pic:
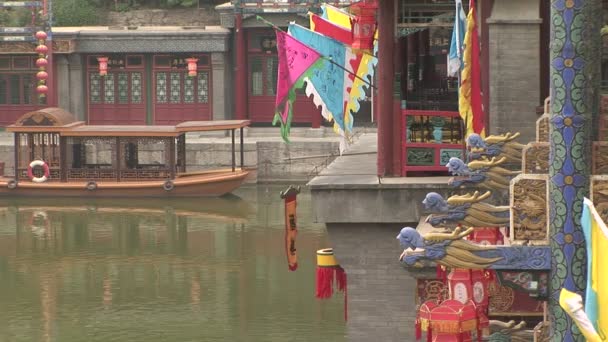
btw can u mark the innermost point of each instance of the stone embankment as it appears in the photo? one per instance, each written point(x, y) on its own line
point(273, 160)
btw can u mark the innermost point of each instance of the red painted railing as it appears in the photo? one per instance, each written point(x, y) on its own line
point(429, 139)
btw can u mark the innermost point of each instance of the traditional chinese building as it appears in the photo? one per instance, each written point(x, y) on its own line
point(147, 80)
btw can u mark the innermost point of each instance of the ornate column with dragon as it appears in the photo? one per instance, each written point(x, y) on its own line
point(575, 76)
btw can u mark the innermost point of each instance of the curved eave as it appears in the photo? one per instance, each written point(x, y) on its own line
point(147, 39)
point(46, 129)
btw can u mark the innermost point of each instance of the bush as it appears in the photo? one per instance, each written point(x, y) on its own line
point(75, 13)
point(15, 17)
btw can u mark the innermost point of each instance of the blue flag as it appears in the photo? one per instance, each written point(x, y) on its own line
point(456, 47)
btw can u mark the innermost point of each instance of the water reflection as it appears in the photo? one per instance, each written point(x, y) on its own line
point(195, 270)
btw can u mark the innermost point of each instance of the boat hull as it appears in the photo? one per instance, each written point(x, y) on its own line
point(209, 184)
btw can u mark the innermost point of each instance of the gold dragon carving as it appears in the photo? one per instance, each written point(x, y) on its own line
point(529, 210)
point(536, 158)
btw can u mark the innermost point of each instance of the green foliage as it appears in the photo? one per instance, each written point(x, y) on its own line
point(76, 13)
point(15, 17)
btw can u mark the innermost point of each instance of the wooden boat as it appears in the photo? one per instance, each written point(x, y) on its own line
point(56, 155)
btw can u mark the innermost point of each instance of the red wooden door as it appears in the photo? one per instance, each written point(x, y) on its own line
point(119, 97)
point(179, 97)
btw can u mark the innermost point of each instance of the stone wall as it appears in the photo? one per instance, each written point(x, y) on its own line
point(514, 30)
point(204, 16)
point(381, 300)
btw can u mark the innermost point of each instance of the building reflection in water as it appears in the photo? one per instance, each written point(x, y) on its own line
point(134, 269)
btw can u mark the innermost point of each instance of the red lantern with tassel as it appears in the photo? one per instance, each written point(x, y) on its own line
point(192, 67)
point(364, 25)
point(328, 272)
point(103, 65)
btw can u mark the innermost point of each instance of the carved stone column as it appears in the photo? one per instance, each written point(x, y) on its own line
point(575, 61)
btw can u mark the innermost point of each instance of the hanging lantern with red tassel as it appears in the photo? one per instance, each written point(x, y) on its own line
point(291, 227)
point(192, 67)
point(328, 272)
point(364, 25)
point(103, 65)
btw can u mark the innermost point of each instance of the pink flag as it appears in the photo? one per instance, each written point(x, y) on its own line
point(295, 59)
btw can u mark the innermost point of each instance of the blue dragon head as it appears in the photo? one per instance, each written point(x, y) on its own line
point(475, 141)
point(409, 238)
point(434, 202)
point(457, 167)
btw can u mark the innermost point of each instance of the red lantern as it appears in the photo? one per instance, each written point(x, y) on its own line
point(40, 35)
point(487, 236)
point(103, 65)
point(192, 68)
point(449, 320)
point(42, 75)
point(42, 49)
point(41, 62)
point(42, 89)
point(364, 25)
point(468, 285)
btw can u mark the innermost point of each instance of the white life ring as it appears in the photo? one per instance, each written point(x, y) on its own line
point(45, 167)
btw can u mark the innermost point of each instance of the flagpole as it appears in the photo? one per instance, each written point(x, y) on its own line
point(329, 59)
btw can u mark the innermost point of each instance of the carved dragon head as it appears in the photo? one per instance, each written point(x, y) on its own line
point(475, 142)
point(457, 167)
point(409, 238)
point(435, 203)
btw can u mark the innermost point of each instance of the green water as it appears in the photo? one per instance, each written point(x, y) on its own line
point(150, 270)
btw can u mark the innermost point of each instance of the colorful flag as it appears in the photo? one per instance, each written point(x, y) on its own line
point(335, 31)
point(336, 16)
point(596, 296)
point(295, 59)
point(470, 103)
point(336, 23)
point(328, 82)
point(455, 55)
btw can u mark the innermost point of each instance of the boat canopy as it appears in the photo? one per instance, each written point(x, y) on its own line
point(57, 120)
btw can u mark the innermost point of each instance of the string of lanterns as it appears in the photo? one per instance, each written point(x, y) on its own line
point(41, 63)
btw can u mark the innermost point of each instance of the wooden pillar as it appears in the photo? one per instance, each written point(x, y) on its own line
point(17, 146)
point(240, 79)
point(575, 63)
point(172, 156)
point(63, 158)
point(118, 158)
point(386, 34)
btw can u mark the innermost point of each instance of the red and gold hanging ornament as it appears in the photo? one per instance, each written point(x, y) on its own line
point(472, 285)
point(363, 25)
point(487, 236)
point(103, 65)
point(291, 227)
point(41, 63)
point(449, 320)
point(192, 67)
point(328, 272)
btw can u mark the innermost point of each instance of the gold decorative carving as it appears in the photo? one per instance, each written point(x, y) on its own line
point(599, 195)
point(529, 209)
point(542, 128)
point(536, 158)
point(17, 47)
point(541, 332)
point(63, 46)
point(600, 158)
point(501, 298)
